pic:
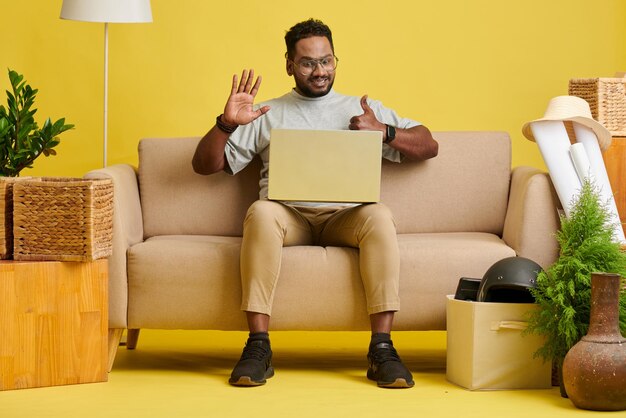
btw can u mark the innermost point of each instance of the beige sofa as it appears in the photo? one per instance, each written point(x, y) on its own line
point(175, 262)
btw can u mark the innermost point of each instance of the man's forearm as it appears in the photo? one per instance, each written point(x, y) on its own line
point(209, 157)
point(415, 143)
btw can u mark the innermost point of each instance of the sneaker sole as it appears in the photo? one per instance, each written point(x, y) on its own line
point(247, 380)
point(397, 384)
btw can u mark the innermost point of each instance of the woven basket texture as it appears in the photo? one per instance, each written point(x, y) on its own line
point(62, 219)
point(6, 215)
point(606, 98)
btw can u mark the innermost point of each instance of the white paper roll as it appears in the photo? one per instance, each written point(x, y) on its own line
point(586, 137)
point(581, 161)
point(554, 144)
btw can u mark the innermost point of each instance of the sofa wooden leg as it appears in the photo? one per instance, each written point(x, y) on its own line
point(115, 336)
point(132, 336)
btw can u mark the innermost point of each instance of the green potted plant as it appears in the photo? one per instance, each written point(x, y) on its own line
point(563, 291)
point(21, 139)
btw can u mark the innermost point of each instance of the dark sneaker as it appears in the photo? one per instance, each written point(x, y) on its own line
point(254, 366)
point(386, 368)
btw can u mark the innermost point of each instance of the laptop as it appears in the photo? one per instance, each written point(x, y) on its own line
point(325, 165)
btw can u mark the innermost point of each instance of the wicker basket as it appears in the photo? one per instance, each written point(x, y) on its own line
point(62, 219)
point(6, 215)
point(607, 100)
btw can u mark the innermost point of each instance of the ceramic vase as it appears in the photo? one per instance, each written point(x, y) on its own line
point(594, 370)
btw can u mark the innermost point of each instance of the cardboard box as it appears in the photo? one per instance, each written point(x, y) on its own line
point(486, 348)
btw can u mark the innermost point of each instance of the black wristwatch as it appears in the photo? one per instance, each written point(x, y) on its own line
point(391, 134)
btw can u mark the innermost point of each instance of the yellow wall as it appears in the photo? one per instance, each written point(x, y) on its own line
point(451, 64)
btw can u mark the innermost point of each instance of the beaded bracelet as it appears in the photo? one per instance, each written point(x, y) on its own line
point(229, 129)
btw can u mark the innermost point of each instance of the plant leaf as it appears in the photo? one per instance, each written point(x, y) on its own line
point(21, 139)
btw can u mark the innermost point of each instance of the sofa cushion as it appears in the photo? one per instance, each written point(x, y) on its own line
point(176, 200)
point(193, 282)
point(463, 189)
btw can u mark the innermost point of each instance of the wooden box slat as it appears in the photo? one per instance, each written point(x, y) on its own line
point(53, 323)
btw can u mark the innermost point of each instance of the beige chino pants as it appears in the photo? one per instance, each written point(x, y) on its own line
point(269, 226)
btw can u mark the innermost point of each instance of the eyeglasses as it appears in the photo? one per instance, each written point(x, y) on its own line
point(307, 66)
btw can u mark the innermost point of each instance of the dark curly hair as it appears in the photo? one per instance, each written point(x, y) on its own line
point(306, 29)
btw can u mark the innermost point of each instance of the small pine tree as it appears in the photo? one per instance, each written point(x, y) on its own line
point(563, 291)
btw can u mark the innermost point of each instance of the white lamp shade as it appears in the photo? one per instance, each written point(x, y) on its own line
point(111, 11)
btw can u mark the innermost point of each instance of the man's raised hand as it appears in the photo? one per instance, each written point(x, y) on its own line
point(367, 121)
point(239, 107)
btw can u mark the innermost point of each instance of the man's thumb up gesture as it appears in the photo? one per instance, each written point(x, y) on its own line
point(367, 121)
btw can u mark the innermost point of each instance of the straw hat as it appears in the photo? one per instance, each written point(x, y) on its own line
point(575, 109)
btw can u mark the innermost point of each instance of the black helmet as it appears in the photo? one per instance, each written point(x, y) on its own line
point(509, 280)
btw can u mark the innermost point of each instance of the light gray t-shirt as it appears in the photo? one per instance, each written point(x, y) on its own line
point(294, 111)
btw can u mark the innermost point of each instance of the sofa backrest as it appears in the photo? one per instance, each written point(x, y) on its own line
point(464, 189)
point(177, 201)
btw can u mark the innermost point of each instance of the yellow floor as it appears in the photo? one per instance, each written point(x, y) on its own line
point(318, 374)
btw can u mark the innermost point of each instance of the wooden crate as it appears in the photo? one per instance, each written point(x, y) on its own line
point(53, 323)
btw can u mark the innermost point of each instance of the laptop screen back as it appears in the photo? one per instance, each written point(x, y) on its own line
point(325, 165)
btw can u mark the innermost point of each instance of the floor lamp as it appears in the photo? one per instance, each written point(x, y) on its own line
point(107, 11)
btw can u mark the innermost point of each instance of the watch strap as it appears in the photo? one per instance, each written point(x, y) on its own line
point(390, 133)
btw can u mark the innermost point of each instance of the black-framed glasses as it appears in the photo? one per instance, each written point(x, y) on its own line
point(306, 66)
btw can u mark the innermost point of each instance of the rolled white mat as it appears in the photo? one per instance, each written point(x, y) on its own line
point(587, 137)
point(581, 161)
point(554, 145)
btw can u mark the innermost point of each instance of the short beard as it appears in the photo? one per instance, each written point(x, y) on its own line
point(306, 92)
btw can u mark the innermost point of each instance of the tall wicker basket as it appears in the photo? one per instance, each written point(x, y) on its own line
point(607, 100)
point(62, 219)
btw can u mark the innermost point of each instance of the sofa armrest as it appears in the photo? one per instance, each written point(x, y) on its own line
point(127, 231)
point(532, 217)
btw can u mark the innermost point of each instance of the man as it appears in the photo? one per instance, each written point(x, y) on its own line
point(242, 132)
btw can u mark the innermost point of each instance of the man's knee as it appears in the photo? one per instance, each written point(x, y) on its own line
point(263, 210)
point(378, 213)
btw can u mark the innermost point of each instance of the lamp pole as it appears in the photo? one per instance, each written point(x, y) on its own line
point(107, 11)
point(106, 91)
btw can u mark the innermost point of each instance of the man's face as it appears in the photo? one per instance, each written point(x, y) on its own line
point(320, 81)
